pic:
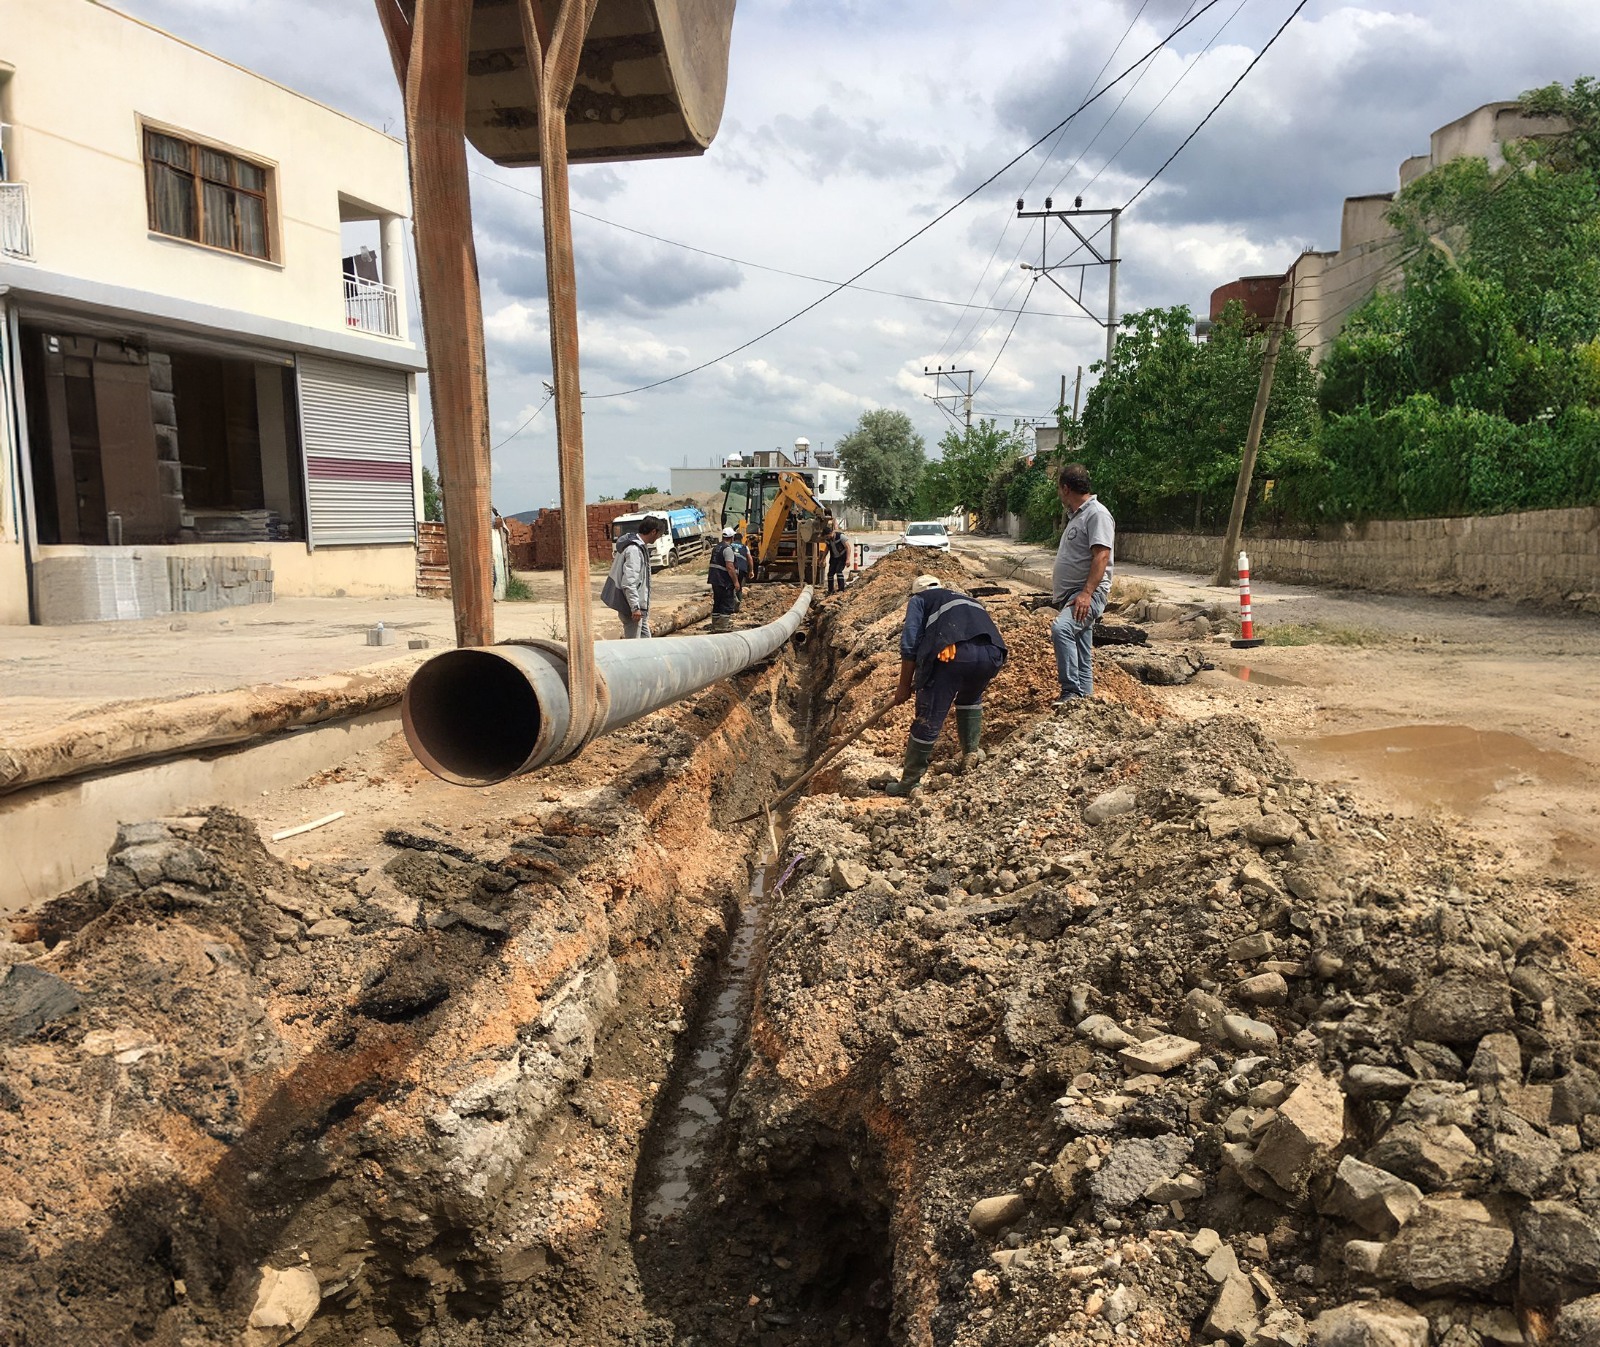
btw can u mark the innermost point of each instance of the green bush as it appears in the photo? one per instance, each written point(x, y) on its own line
point(1424, 459)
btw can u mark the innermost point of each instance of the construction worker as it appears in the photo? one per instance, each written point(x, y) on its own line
point(1080, 581)
point(741, 563)
point(838, 557)
point(724, 577)
point(950, 650)
point(627, 587)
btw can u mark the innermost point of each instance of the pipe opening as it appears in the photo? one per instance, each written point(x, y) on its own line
point(471, 717)
point(799, 637)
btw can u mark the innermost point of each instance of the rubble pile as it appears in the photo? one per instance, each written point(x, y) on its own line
point(1138, 1036)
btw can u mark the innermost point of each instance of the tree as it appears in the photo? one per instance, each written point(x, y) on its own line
point(1163, 430)
point(969, 460)
point(883, 458)
point(1476, 387)
point(432, 497)
point(636, 492)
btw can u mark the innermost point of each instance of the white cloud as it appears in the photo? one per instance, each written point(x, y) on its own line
point(864, 118)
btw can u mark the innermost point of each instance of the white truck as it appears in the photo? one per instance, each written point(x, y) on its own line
point(685, 536)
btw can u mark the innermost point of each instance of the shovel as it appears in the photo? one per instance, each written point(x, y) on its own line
point(821, 762)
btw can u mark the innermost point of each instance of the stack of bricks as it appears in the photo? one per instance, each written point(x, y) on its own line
point(520, 533)
point(433, 561)
point(546, 542)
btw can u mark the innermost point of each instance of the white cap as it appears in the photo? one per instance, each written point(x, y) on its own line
point(727, 533)
point(923, 582)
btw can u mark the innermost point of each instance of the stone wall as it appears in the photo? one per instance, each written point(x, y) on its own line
point(1546, 556)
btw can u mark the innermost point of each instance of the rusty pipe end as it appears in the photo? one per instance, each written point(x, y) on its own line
point(473, 717)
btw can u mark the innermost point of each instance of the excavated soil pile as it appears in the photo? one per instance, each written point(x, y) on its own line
point(860, 632)
point(1134, 1035)
point(390, 1100)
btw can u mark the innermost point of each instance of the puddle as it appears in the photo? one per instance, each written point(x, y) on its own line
point(1455, 766)
point(1573, 851)
point(709, 1061)
point(1245, 674)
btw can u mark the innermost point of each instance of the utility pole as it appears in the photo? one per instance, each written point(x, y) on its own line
point(1108, 259)
point(1077, 390)
point(1252, 441)
point(956, 395)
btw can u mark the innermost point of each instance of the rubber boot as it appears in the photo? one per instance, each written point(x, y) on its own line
point(721, 621)
point(969, 729)
point(918, 756)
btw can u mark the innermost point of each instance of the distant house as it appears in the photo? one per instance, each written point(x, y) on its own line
point(204, 397)
point(1329, 286)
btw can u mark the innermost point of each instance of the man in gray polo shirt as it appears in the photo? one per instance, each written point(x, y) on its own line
point(1081, 581)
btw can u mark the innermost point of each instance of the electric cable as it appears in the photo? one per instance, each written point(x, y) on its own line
point(916, 234)
point(746, 262)
point(531, 419)
point(1255, 60)
point(1007, 341)
point(1006, 228)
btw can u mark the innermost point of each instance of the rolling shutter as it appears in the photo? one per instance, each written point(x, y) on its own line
point(355, 428)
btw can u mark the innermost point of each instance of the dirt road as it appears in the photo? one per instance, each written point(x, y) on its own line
point(1483, 710)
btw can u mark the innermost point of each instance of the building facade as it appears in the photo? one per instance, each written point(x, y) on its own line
point(203, 399)
point(1328, 286)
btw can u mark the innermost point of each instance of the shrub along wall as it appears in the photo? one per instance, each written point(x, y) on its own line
point(1545, 556)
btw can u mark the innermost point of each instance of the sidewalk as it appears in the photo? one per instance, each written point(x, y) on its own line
point(51, 675)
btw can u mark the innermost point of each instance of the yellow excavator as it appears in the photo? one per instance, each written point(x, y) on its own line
point(780, 521)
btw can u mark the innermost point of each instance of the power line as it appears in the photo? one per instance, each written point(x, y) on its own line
point(1254, 61)
point(918, 233)
point(1073, 167)
point(1007, 341)
point(1006, 228)
point(1156, 107)
point(513, 435)
point(755, 266)
point(1293, 14)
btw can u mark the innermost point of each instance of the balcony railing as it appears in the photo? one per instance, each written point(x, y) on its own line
point(16, 238)
point(371, 307)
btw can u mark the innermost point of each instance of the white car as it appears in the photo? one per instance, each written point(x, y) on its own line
point(926, 533)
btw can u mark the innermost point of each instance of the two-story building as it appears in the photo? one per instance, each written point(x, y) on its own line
point(206, 397)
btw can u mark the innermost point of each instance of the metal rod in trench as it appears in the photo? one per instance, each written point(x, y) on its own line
point(821, 762)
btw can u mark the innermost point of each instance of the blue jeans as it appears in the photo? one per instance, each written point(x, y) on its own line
point(1074, 643)
point(961, 681)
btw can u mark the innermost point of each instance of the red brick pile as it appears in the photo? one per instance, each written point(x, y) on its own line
point(520, 533)
point(546, 531)
point(433, 562)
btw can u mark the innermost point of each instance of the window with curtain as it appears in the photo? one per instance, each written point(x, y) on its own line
point(206, 195)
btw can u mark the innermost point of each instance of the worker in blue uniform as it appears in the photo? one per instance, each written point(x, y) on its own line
point(950, 650)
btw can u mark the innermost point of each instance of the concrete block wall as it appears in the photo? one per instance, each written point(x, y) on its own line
point(1541, 556)
point(110, 584)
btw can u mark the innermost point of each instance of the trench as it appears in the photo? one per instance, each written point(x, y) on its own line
point(740, 1236)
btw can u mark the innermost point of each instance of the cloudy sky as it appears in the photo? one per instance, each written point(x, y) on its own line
point(851, 123)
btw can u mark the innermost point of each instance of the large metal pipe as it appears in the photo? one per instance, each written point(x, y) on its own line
point(481, 715)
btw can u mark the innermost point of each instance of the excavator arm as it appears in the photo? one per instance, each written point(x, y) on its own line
point(793, 494)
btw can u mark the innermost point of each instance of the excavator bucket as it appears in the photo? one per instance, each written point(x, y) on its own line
point(651, 81)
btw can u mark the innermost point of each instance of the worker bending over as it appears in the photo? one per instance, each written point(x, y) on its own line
point(724, 577)
point(950, 649)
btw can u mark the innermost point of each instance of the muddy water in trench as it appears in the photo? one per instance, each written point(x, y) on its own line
point(708, 1061)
